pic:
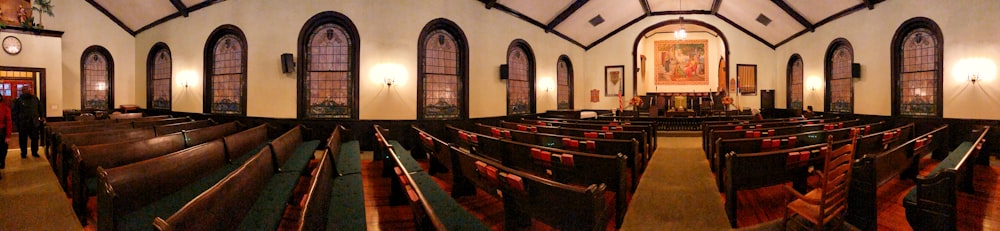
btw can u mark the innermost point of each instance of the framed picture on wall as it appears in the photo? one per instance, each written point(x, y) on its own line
point(614, 80)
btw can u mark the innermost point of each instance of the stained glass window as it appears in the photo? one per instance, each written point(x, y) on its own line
point(919, 73)
point(227, 78)
point(795, 87)
point(160, 78)
point(841, 90)
point(520, 77)
point(96, 79)
point(442, 83)
point(328, 73)
point(564, 88)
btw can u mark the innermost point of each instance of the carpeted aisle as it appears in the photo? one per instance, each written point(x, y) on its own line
point(677, 191)
point(30, 197)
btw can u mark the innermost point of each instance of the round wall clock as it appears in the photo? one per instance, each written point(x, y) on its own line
point(11, 45)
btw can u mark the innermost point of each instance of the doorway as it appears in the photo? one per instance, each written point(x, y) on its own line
point(13, 78)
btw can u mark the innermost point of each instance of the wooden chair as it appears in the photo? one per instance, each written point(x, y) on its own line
point(828, 202)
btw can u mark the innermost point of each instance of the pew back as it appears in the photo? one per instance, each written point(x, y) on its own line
point(178, 127)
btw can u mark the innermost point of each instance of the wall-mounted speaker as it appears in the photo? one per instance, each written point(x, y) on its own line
point(503, 71)
point(856, 70)
point(287, 63)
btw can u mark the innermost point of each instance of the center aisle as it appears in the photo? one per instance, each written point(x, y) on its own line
point(677, 191)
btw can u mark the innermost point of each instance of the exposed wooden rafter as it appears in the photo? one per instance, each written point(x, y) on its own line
point(751, 34)
point(682, 12)
point(489, 3)
point(870, 4)
point(181, 8)
point(521, 16)
point(715, 6)
point(598, 41)
point(565, 14)
point(795, 14)
point(112, 17)
point(825, 21)
point(645, 7)
point(193, 8)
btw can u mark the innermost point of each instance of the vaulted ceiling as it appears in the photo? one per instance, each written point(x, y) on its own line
point(583, 22)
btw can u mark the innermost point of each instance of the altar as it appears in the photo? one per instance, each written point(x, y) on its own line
point(682, 104)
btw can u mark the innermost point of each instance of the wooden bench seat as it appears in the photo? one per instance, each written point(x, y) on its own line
point(602, 145)
point(640, 136)
point(650, 129)
point(709, 126)
point(336, 196)
point(134, 194)
point(930, 205)
point(178, 127)
point(746, 132)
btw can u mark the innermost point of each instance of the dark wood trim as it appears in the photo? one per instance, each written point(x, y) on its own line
point(681, 12)
point(322, 18)
point(897, 62)
point(635, 44)
point(208, 59)
point(751, 34)
point(112, 17)
point(463, 64)
point(645, 7)
point(176, 15)
point(870, 4)
point(32, 31)
point(715, 6)
point(489, 3)
point(111, 75)
point(181, 8)
point(789, 39)
point(626, 25)
point(41, 84)
point(521, 16)
point(788, 81)
point(150, 62)
point(795, 14)
point(569, 74)
point(565, 14)
point(520, 43)
point(567, 38)
point(828, 73)
point(840, 14)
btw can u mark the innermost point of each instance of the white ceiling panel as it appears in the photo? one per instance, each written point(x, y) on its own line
point(541, 11)
point(817, 10)
point(190, 3)
point(136, 14)
point(615, 13)
point(683, 5)
point(745, 12)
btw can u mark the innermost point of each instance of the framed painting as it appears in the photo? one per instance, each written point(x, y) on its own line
point(681, 62)
point(614, 80)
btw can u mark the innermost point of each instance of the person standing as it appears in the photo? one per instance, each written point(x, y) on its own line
point(6, 126)
point(809, 113)
point(27, 112)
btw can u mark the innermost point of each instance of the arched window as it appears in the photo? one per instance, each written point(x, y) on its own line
point(795, 83)
point(158, 75)
point(329, 48)
point(917, 57)
point(443, 71)
point(839, 86)
point(564, 80)
point(226, 71)
point(521, 78)
point(97, 72)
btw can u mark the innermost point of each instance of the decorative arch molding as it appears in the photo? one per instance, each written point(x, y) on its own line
point(789, 83)
point(635, 45)
point(100, 50)
point(828, 74)
point(532, 64)
point(151, 72)
point(897, 62)
point(208, 59)
point(313, 23)
point(462, 44)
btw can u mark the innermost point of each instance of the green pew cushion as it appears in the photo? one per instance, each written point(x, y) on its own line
point(949, 162)
point(404, 156)
point(142, 219)
point(300, 158)
point(448, 210)
point(267, 210)
point(350, 158)
point(347, 204)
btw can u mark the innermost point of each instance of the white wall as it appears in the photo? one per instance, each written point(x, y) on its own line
point(389, 31)
point(617, 50)
point(969, 46)
point(37, 52)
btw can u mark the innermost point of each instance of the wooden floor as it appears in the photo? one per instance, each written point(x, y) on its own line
point(976, 211)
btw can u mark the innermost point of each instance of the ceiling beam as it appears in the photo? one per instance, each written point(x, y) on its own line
point(838, 15)
point(798, 17)
point(180, 7)
point(565, 14)
point(191, 9)
point(681, 12)
point(751, 34)
point(598, 41)
point(112, 17)
point(870, 4)
point(645, 7)
point(489, 3)
point(521, 16)
point(715, 6)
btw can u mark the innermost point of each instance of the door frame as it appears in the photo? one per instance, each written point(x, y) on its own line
point(39, 84)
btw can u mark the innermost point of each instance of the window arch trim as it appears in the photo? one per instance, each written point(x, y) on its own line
point(209, 52)
point(150, 72)
point(520, 43)
point(314, 22)
point(463, 63)
point(897, 44)
point(828, 73)
point(111, 74)
point(569, 79)
point(790, 74)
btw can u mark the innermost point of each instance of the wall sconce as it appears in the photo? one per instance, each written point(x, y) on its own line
point(973, 77)
point(389, 80)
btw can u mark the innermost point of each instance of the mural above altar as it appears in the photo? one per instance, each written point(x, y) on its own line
point(681, 62)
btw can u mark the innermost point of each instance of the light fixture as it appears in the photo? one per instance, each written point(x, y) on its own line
point(973, 77)
point(680, 34)
point(389, 80)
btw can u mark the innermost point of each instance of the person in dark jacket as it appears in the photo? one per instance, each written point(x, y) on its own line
point(28, 118)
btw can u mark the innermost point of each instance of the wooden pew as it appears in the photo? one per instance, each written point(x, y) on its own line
point(562, 206)
point(931, 204)
point(253, 197)
point(879, 159)
point(639, 136)
point(134, 194)
point(630, 148)
point(178, 127)
point(437, 151)
point(649, 128)
point(563, 166)
point(708, 127)
point(716, 135)
point(336, 196)
point(125, 115)
point(431, 205)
